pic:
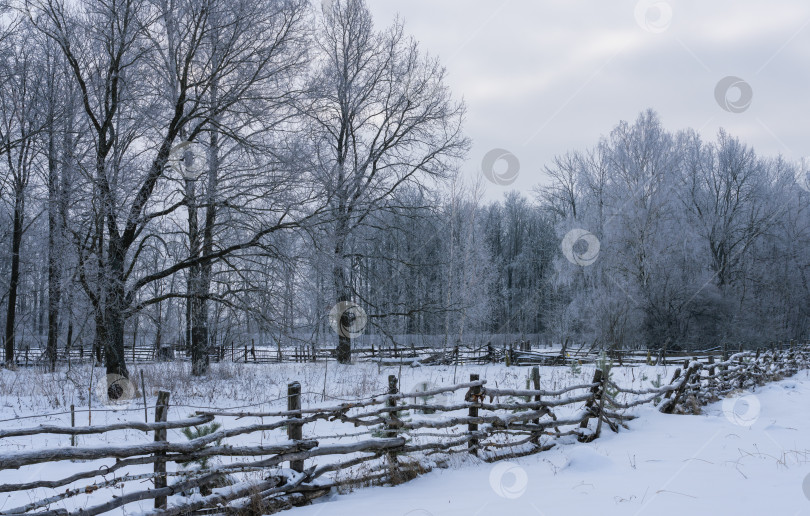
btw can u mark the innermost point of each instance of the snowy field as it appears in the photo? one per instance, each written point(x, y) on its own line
point(749, 457)
point(745, 457)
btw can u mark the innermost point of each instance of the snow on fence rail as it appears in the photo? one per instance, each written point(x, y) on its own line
point(401, 436)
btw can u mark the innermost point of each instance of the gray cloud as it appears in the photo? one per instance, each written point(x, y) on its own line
point(544, 77)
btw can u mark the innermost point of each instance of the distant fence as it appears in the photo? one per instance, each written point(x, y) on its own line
point(523, 352)
point(401, 436)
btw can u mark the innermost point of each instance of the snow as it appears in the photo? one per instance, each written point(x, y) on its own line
point(713, 463)
point(748, 455)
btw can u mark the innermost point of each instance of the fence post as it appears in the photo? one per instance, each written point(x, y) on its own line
point(294, 430)
point(72, 424)
point(473, 412)
point(597, 379)
point(392, 403)
point(602, 392)
point(143, 393)
point(667, 409)
point(161, 411)
point(535, 377)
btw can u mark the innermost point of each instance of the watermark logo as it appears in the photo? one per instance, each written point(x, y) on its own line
point(500, 177)
point(188, 159)
point(348, 319)
point(653, 15)
point(114, 390)
point(806, 486)
point(580, 247)
point(418, 512)
point(508, 480)
point(742, 410)
point(725, 97)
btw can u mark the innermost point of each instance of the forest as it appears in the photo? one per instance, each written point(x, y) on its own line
point(198, 173)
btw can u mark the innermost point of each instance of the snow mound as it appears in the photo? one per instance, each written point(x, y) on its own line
point(586, 459)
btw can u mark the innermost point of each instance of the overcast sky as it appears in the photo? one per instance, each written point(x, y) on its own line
point(542, 77)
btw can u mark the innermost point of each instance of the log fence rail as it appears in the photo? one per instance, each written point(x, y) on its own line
point(384, 439)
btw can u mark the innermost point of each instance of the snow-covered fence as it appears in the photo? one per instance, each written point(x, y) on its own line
point(525, 351)
point(384, 439)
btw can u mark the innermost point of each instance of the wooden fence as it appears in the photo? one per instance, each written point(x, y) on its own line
point(401, 435)
point(519, 352)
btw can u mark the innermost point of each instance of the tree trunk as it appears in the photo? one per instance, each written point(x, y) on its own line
point(14, 280)
point(344, 347)
point(195, 305)
point(201, 274)
point(54, 239)
point(114, 310)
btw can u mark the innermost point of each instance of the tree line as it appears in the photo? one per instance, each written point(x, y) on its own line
point(191, 171)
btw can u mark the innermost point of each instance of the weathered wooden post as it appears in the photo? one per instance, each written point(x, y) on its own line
point(161, 411)
point(143, 393)
point(392, 404)
point(601, 409)
point(295, 430)
point(72, 424)
point(597, 379)
point(535, 377)
point(675, 376)
point(475, 393)
point(669, 407)
point(392, 426)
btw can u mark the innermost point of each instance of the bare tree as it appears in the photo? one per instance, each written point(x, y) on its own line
point(137, 62)
point(21, 121)
point(382, 118)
